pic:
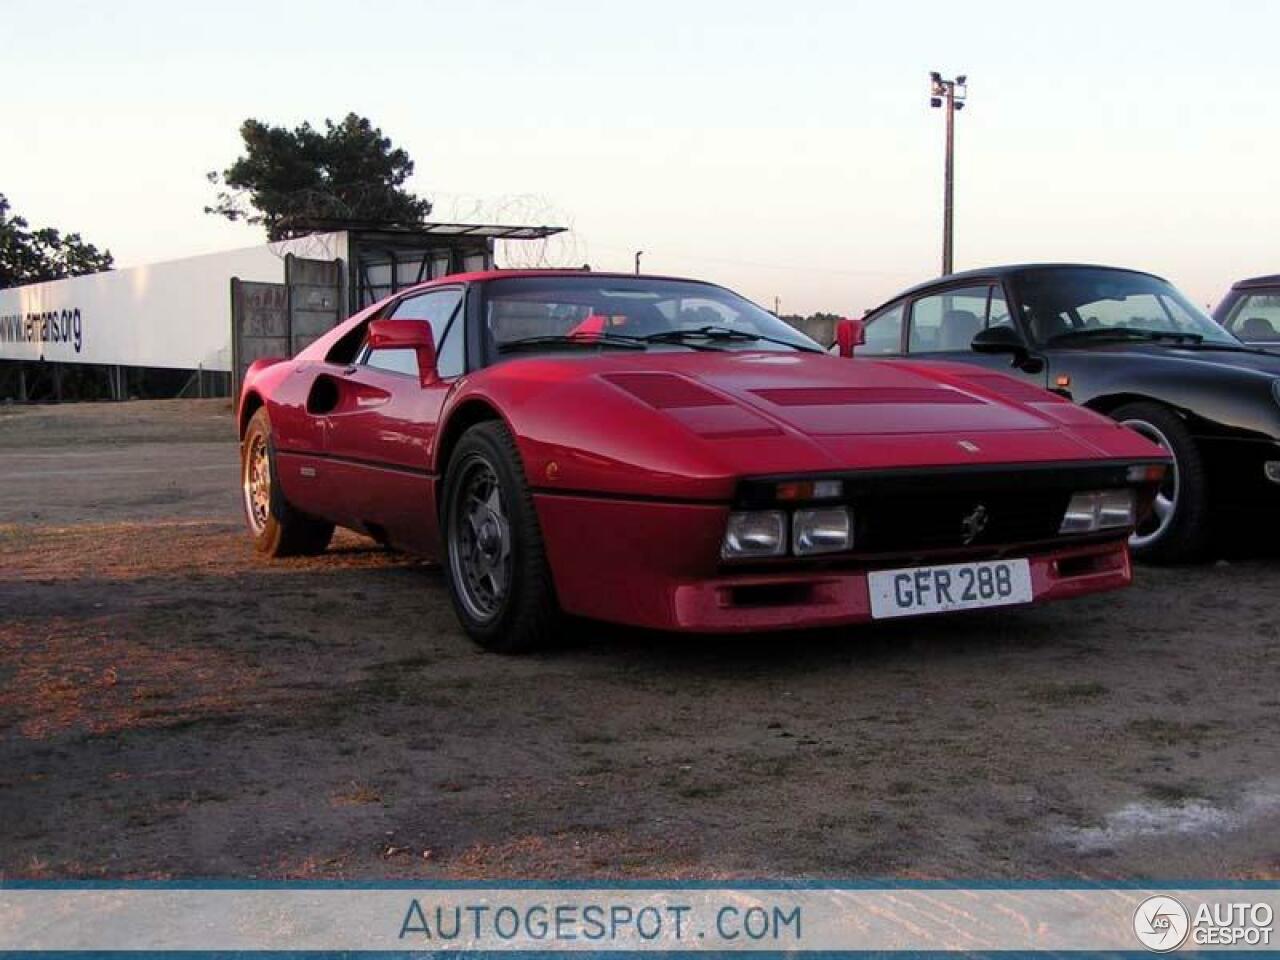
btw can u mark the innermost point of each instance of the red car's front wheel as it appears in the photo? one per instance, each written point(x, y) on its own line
point(496, 565)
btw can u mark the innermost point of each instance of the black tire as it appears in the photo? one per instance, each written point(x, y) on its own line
point(524, 614)
point(1187, 535)
point(283, 531)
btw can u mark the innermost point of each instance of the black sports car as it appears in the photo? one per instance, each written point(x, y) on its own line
point(1127, 344)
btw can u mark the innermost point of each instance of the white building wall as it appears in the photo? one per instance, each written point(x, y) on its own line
point(171, 314)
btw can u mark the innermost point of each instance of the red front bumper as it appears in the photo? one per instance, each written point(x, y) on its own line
point(647, 564)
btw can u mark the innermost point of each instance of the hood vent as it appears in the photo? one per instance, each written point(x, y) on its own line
point(694, 407)
point(846, 396)
point(666, 391)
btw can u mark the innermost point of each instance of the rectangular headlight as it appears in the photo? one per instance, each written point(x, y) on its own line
point(824, 530)
point(1099, 510)
point(755, 533)
point(1116, 509)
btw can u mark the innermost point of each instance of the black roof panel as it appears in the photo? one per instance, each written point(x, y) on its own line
point(1002, 271)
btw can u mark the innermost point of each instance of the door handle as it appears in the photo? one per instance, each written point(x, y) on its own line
point(347, 371)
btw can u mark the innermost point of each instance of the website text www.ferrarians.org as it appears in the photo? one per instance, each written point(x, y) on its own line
point(569, 922)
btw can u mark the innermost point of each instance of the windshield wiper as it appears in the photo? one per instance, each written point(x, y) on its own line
point(720, 334)
point(613, 340)
point(1126, 333)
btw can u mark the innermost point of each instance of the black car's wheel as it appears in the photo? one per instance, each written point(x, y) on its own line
point(496, 565)
point(278, 529)
point(1177, 531)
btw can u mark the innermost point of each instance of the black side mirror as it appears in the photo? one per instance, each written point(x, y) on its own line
point(1001, 339)
point(1004, 339)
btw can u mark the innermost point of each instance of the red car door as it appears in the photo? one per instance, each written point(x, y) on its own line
point(380, 430)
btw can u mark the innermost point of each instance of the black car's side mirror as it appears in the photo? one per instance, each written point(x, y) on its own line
point(1004, 339)
point(1001, 339)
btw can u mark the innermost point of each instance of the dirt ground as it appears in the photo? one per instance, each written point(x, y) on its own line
point(173, 706)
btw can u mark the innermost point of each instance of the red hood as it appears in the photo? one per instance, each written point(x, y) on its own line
point(828, 397)
point(647, 422)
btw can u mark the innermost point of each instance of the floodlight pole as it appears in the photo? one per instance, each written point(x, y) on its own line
point(949, 190)
point(951, 95)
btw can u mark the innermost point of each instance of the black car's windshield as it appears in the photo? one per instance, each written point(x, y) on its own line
point(1081, 305)
point(572, 312)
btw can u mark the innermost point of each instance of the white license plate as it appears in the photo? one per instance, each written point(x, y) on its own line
point(955, 586)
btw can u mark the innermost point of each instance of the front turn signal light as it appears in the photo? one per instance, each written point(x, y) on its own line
point(1146, 473)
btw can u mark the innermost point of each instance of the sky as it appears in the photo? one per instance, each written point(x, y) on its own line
point(784, 149)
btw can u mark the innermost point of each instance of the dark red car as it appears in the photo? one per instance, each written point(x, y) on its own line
point(664, 453)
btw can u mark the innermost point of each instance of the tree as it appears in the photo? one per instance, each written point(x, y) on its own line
point(30, 256)
point(291, 181)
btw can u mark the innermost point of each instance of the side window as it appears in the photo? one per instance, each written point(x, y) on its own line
point(1256, 318)
point(883, 333)
point(439, 308)
point(396, 361)
point(947, 322)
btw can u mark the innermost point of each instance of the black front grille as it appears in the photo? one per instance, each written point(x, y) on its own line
point(937, 508)
point(889, 523)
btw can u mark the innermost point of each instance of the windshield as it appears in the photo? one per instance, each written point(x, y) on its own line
point(550, 314)
point(1085, 304)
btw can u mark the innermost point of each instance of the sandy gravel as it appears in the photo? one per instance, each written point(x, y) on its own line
point(170, 705)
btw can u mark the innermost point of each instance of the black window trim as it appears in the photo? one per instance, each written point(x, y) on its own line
point(992, 282)
point(941, 290)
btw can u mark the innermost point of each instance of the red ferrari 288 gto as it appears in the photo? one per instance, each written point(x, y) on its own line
point(664, 453)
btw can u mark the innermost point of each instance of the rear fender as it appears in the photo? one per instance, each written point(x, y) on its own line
point(253, 390)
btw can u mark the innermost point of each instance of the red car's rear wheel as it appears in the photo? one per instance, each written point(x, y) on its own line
point(278, 529)
point(496, 564)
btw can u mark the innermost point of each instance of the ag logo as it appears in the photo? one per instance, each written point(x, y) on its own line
point(1161, 923)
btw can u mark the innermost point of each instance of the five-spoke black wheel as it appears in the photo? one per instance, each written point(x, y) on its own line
point(495, 564)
